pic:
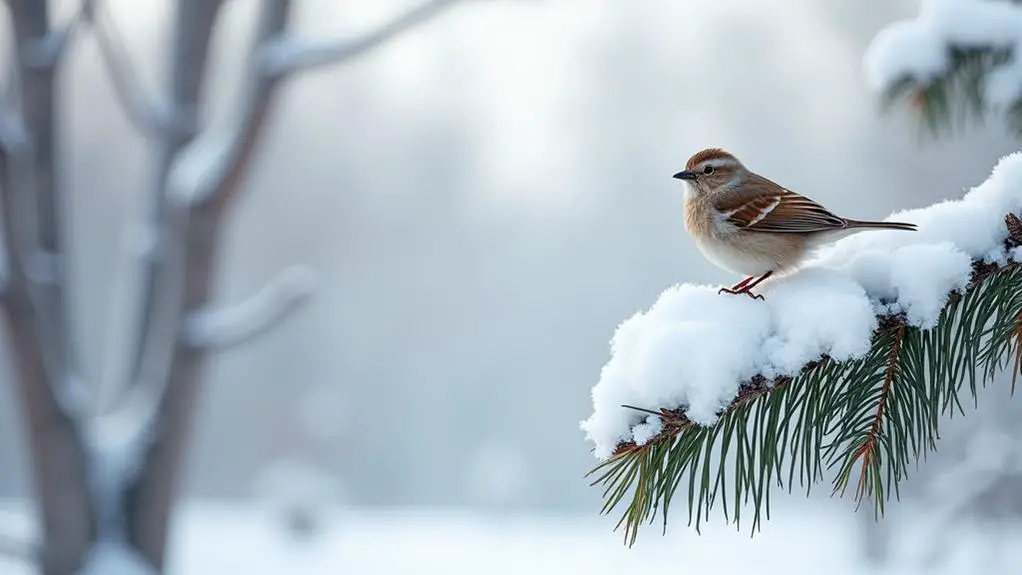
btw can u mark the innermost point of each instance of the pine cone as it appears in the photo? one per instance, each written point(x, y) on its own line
point(1014, 226)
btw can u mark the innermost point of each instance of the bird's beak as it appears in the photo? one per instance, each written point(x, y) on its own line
point(685, 175)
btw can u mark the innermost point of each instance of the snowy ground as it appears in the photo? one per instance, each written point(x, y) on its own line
point(218, 539)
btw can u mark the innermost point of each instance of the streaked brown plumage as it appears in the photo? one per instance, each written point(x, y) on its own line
point(750, 225)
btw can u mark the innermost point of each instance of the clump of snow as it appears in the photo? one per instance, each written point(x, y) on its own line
point(693, 348)
point(920, 48)
point(892, 278)
point(647, 430)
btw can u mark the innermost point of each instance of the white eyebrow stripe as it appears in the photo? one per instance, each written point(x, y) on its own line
point(720, 162)
point(766, 211)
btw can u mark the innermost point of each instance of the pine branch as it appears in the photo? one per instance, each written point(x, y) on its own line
point(951, 101)
point(877, 414)
point(936, 65)
point(867, 454)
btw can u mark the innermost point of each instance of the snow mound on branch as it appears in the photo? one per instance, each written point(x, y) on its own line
point(693, 348)
point(919, 48)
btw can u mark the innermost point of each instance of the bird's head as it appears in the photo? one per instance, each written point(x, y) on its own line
point(711, 170)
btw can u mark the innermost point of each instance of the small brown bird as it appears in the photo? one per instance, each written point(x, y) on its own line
point(749, 225)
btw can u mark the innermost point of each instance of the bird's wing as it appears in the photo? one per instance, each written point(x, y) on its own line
point(774, 209)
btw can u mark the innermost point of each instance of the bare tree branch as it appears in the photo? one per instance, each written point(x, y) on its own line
point(45, 51)
point(286, 54)
point(106, 481)
point(203, 181)
point(211, 171)
point(27, 267)
point(193, 28)
point(60, 37)
point(225, 328)
point(150, 115)
point(37, 50)
point(19, 214)
point(34, 312)
point(208, 172)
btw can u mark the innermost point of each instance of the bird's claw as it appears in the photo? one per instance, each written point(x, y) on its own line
point(740, 291)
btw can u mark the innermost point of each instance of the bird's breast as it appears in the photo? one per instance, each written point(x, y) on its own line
point(736, 250)
point(730, 255)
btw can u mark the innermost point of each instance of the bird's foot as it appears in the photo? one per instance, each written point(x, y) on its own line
point(743, 290)
point(745, 286)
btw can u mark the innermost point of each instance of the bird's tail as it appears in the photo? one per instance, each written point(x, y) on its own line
point(881, 225)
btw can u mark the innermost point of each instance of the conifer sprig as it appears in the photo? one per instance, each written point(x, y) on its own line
point(952, 100)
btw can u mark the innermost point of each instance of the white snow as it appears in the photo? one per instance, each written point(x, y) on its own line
point(919, 48)
point(647, 430)
point(116, 445)
point(693, 348)
point(115, 559)
point(117, 459)
point(228, 538)
point(301, 495)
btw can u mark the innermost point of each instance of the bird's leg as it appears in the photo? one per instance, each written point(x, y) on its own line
point(747, 287)
point(737, 286)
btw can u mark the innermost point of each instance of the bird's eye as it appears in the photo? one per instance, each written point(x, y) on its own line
point(708, 170)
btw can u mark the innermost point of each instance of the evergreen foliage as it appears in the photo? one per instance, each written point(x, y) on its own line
point(956, 97)
point(952, 100)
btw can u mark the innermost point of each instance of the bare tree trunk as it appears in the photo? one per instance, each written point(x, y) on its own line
point(33, 299)
point(106, 476)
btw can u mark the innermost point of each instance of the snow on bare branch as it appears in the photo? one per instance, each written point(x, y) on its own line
point(287, 54)
point(228, 327)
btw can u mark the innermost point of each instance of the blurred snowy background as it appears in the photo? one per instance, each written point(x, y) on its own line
point(486, 198)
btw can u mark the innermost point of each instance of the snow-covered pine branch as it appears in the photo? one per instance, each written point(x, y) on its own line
point(849, 362)
point(954, 57)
